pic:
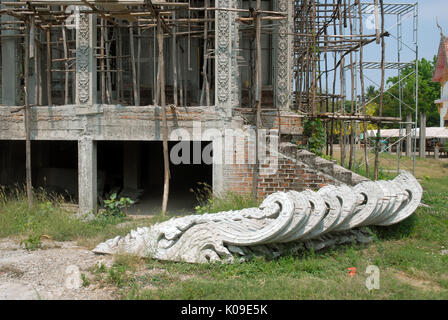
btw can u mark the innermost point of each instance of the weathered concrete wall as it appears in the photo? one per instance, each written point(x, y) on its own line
point(104, 122)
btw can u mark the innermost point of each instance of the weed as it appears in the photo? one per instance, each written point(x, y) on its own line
point(32, 243)
point(85, 280)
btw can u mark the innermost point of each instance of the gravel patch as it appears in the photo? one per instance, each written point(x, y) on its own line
point(46, 273)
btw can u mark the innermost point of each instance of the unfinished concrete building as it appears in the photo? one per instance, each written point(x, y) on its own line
point(89, 87)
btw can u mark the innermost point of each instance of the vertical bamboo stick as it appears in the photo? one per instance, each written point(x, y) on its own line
point(361, 75)
point(134, 72)
point(66, 73)
point(103, 74)
point(161, 80)
point(383, 57)
point(205, 86)
point(139, 54)
point(29, 187)
point(174, 44)
point(352, 80)
point(107, 71)
point(49, 97)
point(258, 97)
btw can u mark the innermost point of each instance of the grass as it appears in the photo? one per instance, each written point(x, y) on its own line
point(407, 254)
point(48, 218)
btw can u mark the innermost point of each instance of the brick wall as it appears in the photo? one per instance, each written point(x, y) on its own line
point(290, 174)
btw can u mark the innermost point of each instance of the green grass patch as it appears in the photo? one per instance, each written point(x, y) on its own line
point(47, 217)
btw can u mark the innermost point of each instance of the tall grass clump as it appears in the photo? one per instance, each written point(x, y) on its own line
point(208, 202)
point(47, 217)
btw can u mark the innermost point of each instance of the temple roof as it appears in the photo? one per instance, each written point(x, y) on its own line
point(442, 60)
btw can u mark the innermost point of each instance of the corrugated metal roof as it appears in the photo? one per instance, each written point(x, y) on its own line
point(431, 132)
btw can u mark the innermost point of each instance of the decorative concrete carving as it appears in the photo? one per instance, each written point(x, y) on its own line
point(226, 42)
point(284, 55)
point(85, 61)
point(284, 221)
point(82, 60)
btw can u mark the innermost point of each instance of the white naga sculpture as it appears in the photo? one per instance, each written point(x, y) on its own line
point(284, 222)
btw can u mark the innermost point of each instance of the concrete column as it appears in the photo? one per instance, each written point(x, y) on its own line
point(218, 167)
point(422, 135)
point(86, 90)
point(408, 135)
point(131, 165)
point(283, 56)
point(10, 64)
point(87, 176)
point(226, 67)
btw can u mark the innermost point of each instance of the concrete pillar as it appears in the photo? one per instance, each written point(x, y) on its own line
point(10, 64)
point(218, 167)
point(422, 135)
point(408, 135)
point(226, 68)
point(86, 90)
point(284, 56)
point(87, 176)
point(131, 165)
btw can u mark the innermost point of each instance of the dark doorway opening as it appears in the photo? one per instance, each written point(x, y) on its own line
point(135, 169)
point(54, 166)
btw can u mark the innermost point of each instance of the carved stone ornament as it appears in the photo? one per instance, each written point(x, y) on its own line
point(284, 221)
point(82, 60)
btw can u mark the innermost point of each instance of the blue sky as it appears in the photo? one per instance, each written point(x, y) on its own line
point(428, 38)
point(429, 35)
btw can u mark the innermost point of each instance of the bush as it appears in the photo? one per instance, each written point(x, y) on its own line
point(314, 132)
point(114, 207)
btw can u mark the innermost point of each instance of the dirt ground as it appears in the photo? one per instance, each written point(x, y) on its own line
point(44, 273)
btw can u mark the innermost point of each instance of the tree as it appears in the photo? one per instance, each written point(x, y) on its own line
point(428, 92)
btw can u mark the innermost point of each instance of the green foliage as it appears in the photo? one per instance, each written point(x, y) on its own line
point(32, 243)
point(48, 217)
point(428, 92)
point(444, 147)
point(85, 280)
point(314, 132)
point(116, 208)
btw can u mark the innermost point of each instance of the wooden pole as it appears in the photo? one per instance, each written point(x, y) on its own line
point(161, 81)
point(383, 57)
point(36, 64)
point(29, 186)
point(258, 97)
point(119, 66)
point(363, 106)
point(139, 56)
point(103, 74)
point(107, 71)
point(66, 74)
point(134, 72)
point(205, 86)
point(49, 98)
point(175, 97)
point(353, 97)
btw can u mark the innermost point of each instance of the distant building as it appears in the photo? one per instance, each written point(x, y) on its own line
point(441, 75)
